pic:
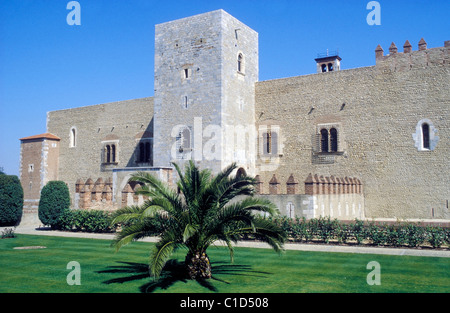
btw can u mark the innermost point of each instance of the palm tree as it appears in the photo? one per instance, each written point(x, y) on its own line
point(202, 211)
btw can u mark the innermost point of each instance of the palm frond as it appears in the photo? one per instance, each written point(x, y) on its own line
point(137, 230)
point(125, 214)
point(162, 252)
point(189, 231)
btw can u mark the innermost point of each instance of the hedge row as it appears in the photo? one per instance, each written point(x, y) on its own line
point(96, 221)
point(91, 221)
point(401, 234)
point(324, 230)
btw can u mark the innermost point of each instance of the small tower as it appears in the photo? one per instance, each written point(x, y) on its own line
point(39, 157)
point(328, 62)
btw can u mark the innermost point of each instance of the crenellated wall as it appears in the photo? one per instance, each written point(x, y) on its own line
point(336, 197)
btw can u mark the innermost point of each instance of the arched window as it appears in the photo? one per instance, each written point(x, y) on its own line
point(324, 140)
point(324, 68)
point(73, 137)
point(268, 143)
point(330, 67)
point(186, 138)
point(108, 154)
point(183, 143)
point(241, 172)
point(113, 153)
point(240, 63)
point(426, 136)
point(333, 140)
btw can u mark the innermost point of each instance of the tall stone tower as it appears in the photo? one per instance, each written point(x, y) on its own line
point(206, 67)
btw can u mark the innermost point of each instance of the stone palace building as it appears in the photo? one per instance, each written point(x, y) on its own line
point(369, 142)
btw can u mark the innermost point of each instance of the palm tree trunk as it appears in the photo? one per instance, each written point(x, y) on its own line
point(198, 265)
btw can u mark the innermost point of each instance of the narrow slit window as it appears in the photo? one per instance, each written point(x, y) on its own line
point(240, 63)
point(269, 142)
point(333, 140)
point(426, 136)
point(324, 140)
point(73, 138)
point(108, 154)
point(113, 153)
point(147, 152)
point(186, 73)
point(141, 152)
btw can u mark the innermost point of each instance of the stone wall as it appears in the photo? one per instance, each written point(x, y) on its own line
point(200, 88)
point(376, 111)
point(124, 124)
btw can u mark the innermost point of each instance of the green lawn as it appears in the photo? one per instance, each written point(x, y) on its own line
point(253, 271)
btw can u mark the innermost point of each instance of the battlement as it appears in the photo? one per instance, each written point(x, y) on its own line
point(409, 59)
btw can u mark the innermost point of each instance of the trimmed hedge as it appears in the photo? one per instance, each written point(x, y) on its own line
point(91, 221)
point(97, 221)
point(401, 234)
point(55, 199)
point(11, 200)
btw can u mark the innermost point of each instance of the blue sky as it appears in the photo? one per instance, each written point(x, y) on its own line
point(46, 64)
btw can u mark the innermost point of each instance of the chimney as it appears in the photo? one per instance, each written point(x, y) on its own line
point(392, 48)
point(422, 45)
point(379, 52)
point(407, 48)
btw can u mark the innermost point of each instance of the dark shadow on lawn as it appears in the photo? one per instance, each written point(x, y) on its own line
point(175, 271)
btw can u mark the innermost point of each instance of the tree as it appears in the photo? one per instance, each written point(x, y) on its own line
point(11, 200)
point(204, 210)
point(55, 199)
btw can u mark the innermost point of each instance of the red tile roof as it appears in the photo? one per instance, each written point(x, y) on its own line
point(41, 136)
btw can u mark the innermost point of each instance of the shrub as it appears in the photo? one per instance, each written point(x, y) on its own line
point(299, 230)
point(358, 231)
point(11, 200)
point(343, 232)
point(435, 236)
point(415, 235)
point(8, 233)
point(396, 235)
point(376, 234)
point(65, 221)
point(55, 199)
point(326, 228)
point(92, 221)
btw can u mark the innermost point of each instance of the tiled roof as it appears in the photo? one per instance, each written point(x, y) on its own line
point(41, 136)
